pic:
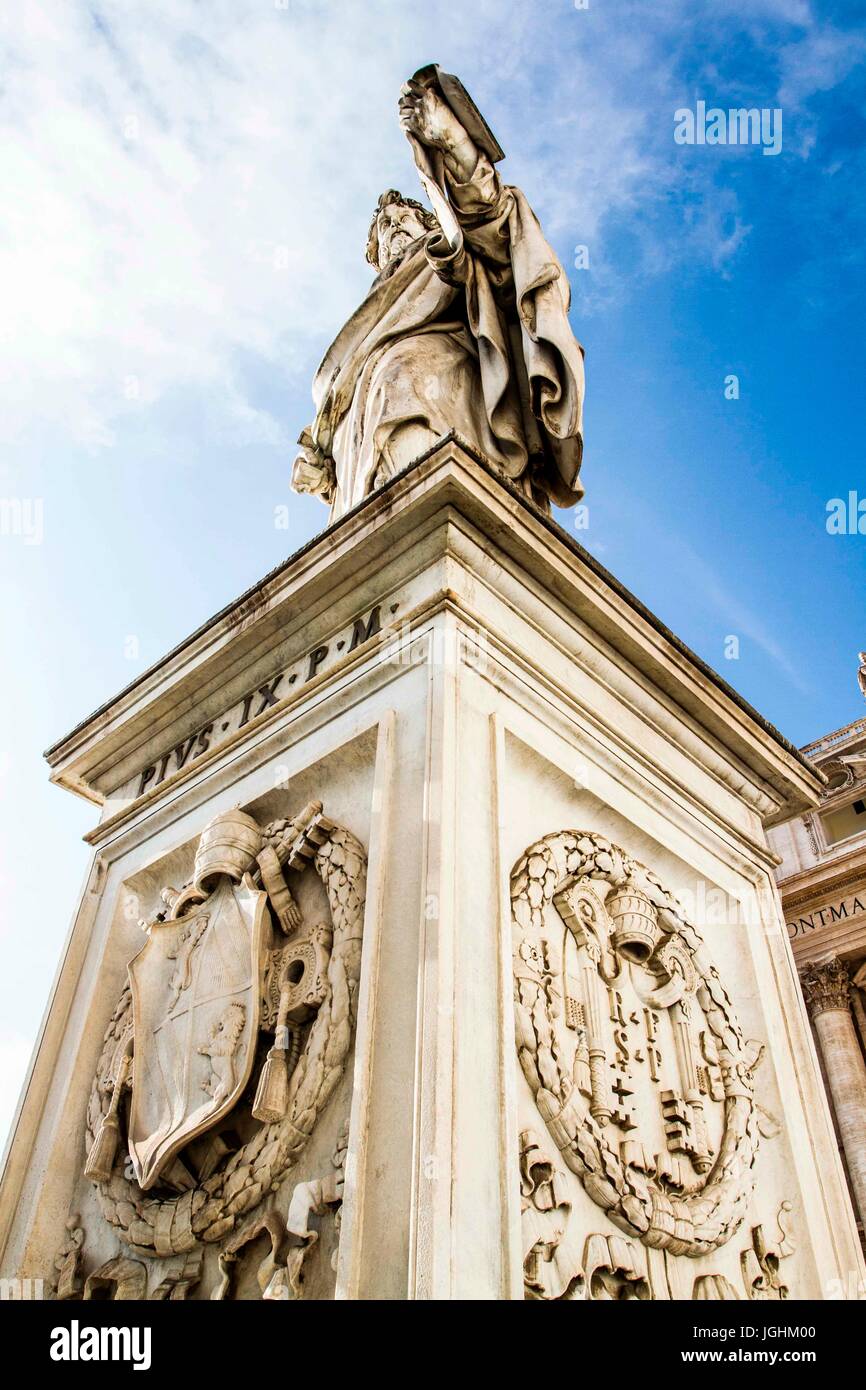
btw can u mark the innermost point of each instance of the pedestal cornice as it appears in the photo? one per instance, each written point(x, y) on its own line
point(396, 534)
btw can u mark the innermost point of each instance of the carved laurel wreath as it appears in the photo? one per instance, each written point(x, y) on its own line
point(707, 1215)
point(208, 1211)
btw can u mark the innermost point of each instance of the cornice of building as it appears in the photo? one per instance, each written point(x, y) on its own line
point(836, 742)
point(824, 879)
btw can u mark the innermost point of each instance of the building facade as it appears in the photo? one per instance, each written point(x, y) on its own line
point(822, 881)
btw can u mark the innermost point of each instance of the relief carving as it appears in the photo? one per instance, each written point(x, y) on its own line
point(178, 1278)
point(714, 1286)
point(177, 1146)
point(554, 1270)
point(615, 1269)
point(760, 1263)
point(225, 1039)
point(67, 1280)
point(551, 1264)
point(634, 1055)
point(118, 1281)
point(268, 1276)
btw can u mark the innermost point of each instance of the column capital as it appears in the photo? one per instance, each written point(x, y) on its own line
point(826, 985)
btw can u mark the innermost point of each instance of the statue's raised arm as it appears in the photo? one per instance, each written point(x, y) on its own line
point(428, 119)
point(465, 327)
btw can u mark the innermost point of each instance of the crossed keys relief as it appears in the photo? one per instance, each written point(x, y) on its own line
point(631, 1047)
point(229, 962)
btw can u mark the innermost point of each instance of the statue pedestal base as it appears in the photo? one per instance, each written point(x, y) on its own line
point(561, 806)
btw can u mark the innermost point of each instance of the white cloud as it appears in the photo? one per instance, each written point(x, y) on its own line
point(816, 63)
point(177, 200)
point(194, 183)
point(191, 185)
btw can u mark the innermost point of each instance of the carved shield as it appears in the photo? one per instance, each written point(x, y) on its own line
point(196, 996)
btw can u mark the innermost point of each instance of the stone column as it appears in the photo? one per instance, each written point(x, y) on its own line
point(827, 990)
point(859, 1010)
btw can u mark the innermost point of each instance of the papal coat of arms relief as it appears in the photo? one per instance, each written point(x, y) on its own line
point(237, 1017)
point(642, 1083)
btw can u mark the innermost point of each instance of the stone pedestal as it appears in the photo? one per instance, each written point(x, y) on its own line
point(565, 1052)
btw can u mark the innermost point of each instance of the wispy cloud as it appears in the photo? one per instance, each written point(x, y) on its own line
point(192, 183)
point(818, 63)
point(739, 619)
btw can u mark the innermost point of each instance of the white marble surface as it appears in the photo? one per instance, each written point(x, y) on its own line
point(511, 692)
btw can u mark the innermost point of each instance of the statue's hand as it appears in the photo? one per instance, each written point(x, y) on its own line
point(312, 471)
point(425, 115)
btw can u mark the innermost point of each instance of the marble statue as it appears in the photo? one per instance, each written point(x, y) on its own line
point(861, 674)
point(465, 327)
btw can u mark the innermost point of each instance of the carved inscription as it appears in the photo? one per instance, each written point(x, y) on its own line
point(256, 703)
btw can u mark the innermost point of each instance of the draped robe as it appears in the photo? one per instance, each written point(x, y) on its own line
point(470, 335)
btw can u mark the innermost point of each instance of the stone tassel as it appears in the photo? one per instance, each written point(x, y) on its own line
point(100, 1160)
point(272, 1093)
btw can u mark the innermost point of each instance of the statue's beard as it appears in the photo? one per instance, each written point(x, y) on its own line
point(398, 244)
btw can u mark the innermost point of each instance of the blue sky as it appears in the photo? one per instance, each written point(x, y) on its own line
point(188, 192)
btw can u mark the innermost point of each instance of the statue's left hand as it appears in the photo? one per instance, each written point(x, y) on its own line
point(425, 115)
point(312, 472)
